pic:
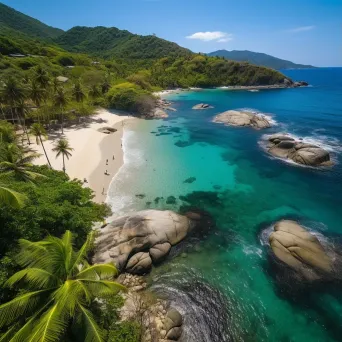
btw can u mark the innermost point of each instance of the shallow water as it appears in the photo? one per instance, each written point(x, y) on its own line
point(227, 287)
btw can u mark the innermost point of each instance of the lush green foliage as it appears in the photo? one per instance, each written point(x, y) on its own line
point(257, 58)
point(112, 42)
point(14, 20)
point(60, 288)
point(125, 96)
point(204, 71)
point(124, 332)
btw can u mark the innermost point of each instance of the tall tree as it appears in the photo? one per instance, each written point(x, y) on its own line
point(60, 100)
point(7, 133)
point(23, 110)
point(78, 92)
point(42, 77)
point(14, 160)
point(14, 93)
point(36, 93)
point(39, 132)
point(61, 288)
point(63, 148)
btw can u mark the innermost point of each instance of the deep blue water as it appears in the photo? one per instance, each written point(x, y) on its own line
point(226, 286)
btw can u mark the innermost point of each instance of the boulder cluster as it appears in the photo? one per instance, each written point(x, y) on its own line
point(136, 242)
point(160, 322)
point(242, 118)
point(286, 147)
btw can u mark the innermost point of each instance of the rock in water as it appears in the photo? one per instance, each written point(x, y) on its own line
point(133, 242)
point(300, 250)
point(241, 118)
point(202, 106)
point(284, 146)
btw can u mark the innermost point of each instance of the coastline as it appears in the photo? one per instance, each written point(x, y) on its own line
point(167, 92)
point(91, 149)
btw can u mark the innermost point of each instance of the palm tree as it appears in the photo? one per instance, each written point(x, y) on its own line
point(13, 93)
point(61, 288)
point(23, 109)
point(94, 91)
point(78, 92)
point(36, 93)
point(12, 198)
point(18, 162)
point(7, 133)
point(39, 131)
point(41, 77)
point(63, 148)
point(60, 100)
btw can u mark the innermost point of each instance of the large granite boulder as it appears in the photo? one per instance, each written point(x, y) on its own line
point(300, 84)
point(136, 241)
point(242, 118)
point(300, 250)
point(286, 147)
point(202, 106)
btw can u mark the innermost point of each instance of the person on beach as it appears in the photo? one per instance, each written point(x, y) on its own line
point(107, 162)
point(113, 157)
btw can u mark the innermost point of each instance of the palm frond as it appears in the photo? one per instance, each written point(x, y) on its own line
point(9, 333)
point(36, 278)
point(51, 326)
point(68, 246)
point(102, 288)
point(12, 198)
point(32, 253)
point(93, 333)
point(81, 254)
point(103, 271)
point(19, 306)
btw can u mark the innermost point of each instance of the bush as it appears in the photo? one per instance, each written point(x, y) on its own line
point(124, 332)
point(125, 96)
point(65, 60)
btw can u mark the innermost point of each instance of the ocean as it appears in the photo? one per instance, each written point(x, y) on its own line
point(223, 280)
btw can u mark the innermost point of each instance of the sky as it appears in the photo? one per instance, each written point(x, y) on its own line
point(302, 31)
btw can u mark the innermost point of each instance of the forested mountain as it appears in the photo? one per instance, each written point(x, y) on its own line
point(147, 61)
point(12, 20)
point(112, 42)
point(258, 58)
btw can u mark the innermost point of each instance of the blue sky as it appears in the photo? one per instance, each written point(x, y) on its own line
point(303, 31)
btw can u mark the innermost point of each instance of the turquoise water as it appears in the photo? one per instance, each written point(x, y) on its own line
point(227, 286)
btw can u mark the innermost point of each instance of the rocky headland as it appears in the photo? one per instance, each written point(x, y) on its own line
point(286, 147)
point(242, 118)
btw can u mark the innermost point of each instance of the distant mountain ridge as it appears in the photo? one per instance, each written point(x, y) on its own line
point(12, 21)
point(258, 58)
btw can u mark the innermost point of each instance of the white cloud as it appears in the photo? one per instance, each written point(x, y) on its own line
point(221, 37)
point(301, 29)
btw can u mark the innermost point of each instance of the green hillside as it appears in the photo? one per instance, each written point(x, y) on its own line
point(112, 42)
point(12, 20)
point(258, 58)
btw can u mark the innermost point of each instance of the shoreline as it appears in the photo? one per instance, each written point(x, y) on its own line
point(167, 92)
point(91, 149)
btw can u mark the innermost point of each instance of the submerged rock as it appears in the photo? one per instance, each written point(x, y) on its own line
point(202, 106)
point(300, 250)
point(286, 147)
point(241, 118)
point(136, 241)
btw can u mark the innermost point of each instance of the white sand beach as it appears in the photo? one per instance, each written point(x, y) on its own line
point(91, 150)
